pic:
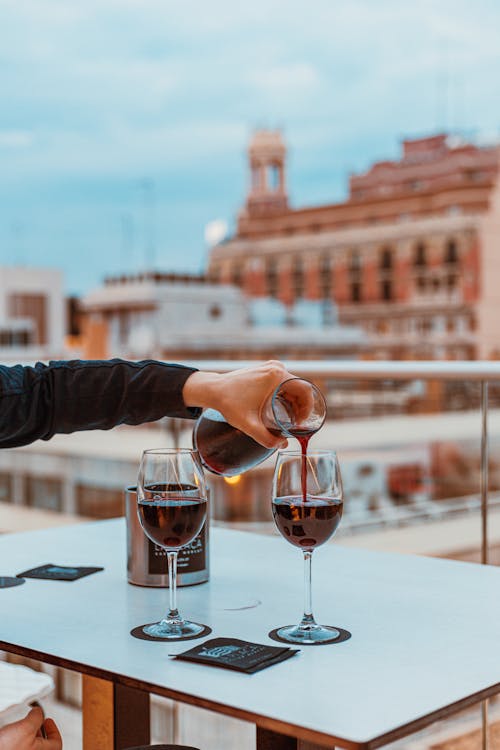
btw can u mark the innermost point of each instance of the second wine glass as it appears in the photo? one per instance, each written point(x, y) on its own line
point(307, 519)
point(172, 508)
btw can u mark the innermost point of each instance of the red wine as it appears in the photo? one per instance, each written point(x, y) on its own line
point(307, 524)
point(303, 437)
point(169, 518)
point(225, 449)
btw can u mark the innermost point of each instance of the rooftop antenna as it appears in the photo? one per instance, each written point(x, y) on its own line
point(442, 92)
point(127, 239)
point(147, 186)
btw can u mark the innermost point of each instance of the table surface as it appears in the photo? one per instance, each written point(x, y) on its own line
point(425, 632)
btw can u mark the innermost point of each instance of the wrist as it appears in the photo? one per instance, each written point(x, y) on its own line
point(200, 389)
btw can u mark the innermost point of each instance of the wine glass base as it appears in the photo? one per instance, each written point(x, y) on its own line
point(310, 635)
point(174, 631)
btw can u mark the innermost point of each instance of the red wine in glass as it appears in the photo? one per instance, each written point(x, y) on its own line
point(171, 520)
point(307, 524)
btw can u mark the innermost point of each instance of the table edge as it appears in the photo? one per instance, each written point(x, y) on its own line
point(276, 725)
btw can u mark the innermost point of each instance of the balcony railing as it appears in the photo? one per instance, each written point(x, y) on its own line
point(481, 372)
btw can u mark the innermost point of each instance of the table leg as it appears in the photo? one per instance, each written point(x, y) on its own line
point(269, 740)
point(114, 716)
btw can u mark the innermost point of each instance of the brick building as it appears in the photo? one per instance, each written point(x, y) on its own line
point(412, 255)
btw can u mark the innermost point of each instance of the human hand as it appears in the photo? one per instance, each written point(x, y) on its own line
point(26, 734)
point(239, 395)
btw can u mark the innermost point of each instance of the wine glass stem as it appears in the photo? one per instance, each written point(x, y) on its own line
point(308, 618)
point(173, 613)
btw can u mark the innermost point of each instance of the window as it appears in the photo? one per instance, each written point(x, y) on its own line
point(451, 281)
point(386, 290)
point(215, 312)
point(426, 325)
point(356, 291)
point(386, 259)
point(451, 252)
point(237, 274)
point(355, 261)
point(32, 306)
point(420, 258)
point(272, 277)
point(421, 283)
point(298, 278)
point(273, 177)
point(325, 277)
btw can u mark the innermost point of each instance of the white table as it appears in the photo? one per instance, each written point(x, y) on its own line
point(425, 636)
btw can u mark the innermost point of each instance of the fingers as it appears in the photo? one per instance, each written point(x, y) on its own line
point(258, 432)
point(54, 739)
point(52, 731)
point(34, 719)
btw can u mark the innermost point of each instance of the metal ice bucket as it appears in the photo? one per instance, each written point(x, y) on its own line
point(147, 562)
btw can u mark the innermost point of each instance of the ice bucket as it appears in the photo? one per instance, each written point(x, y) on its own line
point(147, 562)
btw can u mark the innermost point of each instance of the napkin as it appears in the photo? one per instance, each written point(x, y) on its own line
point(58, 572)
point(241, 656)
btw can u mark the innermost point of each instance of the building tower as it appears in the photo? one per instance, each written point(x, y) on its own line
point(266, 157)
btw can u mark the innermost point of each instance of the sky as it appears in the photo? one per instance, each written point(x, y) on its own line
point(124, 123)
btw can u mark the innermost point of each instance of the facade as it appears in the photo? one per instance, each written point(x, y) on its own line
point(411, 256)
point(182, 317)
point(32, 314)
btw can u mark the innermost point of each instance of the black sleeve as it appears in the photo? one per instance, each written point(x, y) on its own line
point(61, 397)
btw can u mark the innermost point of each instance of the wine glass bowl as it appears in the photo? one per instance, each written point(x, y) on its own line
point(307, 507)
point(172, 508)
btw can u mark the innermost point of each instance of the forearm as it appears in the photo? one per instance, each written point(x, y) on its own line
point(38, 402)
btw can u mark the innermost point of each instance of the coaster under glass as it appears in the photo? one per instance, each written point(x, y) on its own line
point(327, 634)
point(176, 630)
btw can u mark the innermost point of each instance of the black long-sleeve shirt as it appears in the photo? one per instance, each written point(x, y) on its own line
point(62, 397)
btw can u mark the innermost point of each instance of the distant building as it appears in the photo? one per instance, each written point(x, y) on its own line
point(411, 256)
point(32, 314)
point(182, 317)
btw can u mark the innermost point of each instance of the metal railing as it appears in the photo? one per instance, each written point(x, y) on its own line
point(481, 372)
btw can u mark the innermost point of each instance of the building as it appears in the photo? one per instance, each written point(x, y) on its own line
point(181, 317)
point(410, 256)
point(32, 314)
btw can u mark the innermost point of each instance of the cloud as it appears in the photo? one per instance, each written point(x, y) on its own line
point(15, 139)
point(104, 92)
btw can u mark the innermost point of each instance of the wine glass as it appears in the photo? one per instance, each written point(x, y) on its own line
point(307, 513)
point(172, 508)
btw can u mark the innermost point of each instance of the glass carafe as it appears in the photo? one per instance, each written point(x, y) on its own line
point(296, 408)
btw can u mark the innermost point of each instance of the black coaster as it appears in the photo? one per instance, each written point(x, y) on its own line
point(344, 636)
point(139, 633)
point(6, 582)
point(240, 656)
point(53, 572)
